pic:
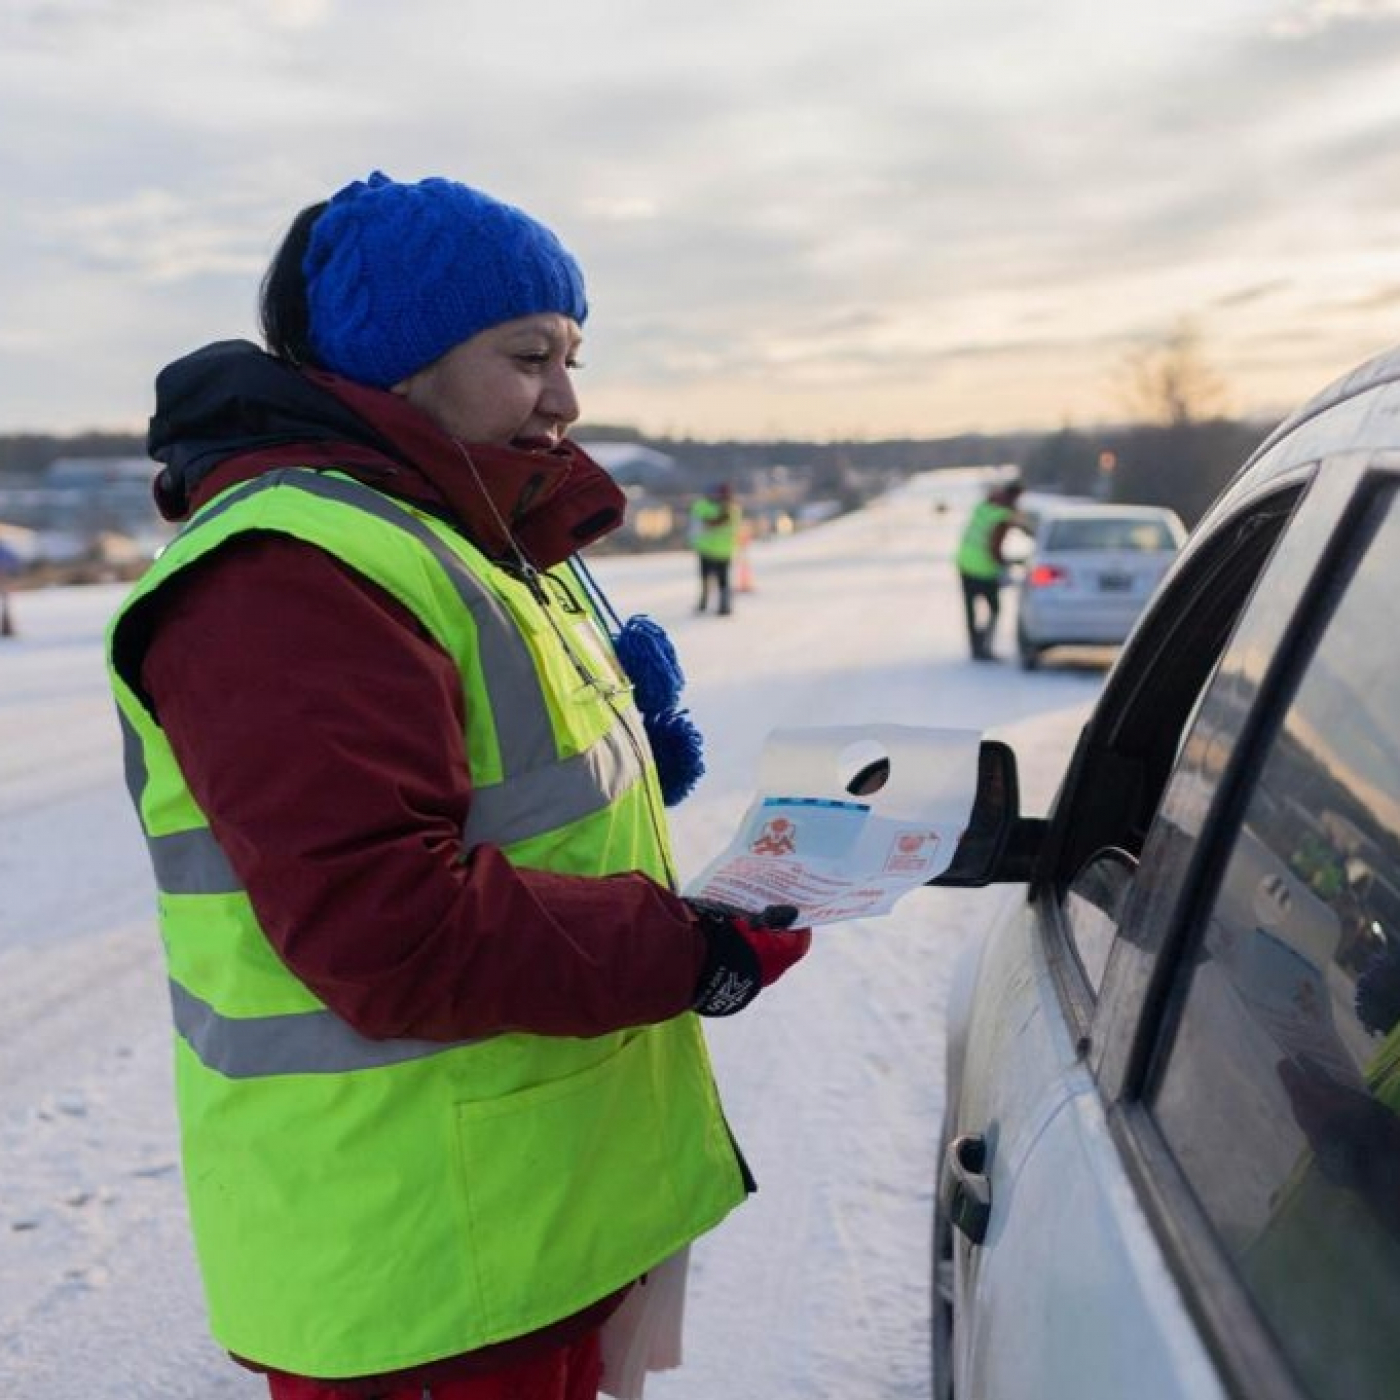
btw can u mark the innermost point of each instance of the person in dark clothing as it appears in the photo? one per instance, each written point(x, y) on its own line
point(443, 1094)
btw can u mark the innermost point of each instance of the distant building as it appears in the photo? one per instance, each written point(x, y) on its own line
point(95, 497)
point(18, 548)
point(648, 477)
point(83, 505)
point(634, 464)
point(100, 473)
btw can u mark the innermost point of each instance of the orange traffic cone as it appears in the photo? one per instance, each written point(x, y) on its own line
point(743, 570)
point(743, 575)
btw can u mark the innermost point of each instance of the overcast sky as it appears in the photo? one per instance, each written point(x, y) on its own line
point(809, 218)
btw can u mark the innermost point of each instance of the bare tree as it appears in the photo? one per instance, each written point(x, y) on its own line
point(1183, 447)
point(1169, 383)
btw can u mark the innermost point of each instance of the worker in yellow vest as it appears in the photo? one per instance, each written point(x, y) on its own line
point(444, 1097)
point(982, 563)
point(714, 536)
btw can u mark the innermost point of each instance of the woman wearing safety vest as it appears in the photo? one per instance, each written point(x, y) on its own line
point(447, 1116)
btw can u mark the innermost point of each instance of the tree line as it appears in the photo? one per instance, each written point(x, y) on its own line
point(1176, 446)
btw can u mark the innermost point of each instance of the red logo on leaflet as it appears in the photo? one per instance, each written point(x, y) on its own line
point(778, 838)
point(912, 851)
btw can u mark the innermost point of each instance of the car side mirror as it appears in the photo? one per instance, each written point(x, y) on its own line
point(998, 845)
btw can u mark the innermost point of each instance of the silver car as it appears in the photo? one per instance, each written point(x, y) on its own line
point(1170, 1165)
point(1091, 570)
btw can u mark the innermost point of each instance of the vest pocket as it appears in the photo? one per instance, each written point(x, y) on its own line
point(573, 1188)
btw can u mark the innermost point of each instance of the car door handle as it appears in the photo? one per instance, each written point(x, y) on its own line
point(967, 1189)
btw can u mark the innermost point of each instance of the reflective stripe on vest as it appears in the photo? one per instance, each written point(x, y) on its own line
point(193, 862)
point(308, 1042)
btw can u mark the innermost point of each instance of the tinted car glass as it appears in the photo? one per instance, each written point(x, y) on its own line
point(1279, 1090)
point(1142, 536)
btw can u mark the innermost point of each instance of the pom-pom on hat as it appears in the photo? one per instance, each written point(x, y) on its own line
point(397, 274)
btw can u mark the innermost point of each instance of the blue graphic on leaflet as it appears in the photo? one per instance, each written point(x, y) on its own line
point(814, 828)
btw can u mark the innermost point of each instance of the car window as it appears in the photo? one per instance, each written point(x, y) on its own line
point(1278, 1087)
point(1111, 795)
point(1121, 533)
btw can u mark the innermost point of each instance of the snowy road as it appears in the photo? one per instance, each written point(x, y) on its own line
point(818, 1286)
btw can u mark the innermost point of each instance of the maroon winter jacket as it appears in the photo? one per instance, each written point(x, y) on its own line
point(319, 727)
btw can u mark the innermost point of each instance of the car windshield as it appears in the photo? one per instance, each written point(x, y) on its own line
point(1116, 532)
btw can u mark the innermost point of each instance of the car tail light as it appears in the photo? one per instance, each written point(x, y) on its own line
point(1047, 576)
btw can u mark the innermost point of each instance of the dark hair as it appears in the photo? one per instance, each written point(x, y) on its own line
point(286, 323)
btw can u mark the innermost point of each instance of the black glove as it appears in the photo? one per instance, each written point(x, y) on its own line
point(745, 953)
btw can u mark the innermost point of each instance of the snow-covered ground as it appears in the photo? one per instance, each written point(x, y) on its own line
point(818, 1287)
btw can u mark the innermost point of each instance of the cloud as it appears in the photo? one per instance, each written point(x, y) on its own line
point(1315, 16)
point(1245, 296)
point(152, 235)
point(896, 199)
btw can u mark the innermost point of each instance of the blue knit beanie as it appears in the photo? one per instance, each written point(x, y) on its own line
point(396, 274)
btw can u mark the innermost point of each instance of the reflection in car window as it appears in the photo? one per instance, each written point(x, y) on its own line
point(1092, 904)
point(1279, 1094)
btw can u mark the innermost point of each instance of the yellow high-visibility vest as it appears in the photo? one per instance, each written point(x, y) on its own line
point(358, 1205)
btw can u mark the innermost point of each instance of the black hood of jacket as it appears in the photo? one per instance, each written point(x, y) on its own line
point(230, 398)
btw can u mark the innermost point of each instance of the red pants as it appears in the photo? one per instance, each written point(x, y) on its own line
point(570, 1373)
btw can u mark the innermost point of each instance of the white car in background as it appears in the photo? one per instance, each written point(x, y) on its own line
point(1091, 569)
point(1170, 1164)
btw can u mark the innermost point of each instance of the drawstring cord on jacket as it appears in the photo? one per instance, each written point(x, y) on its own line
point(645, 654)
